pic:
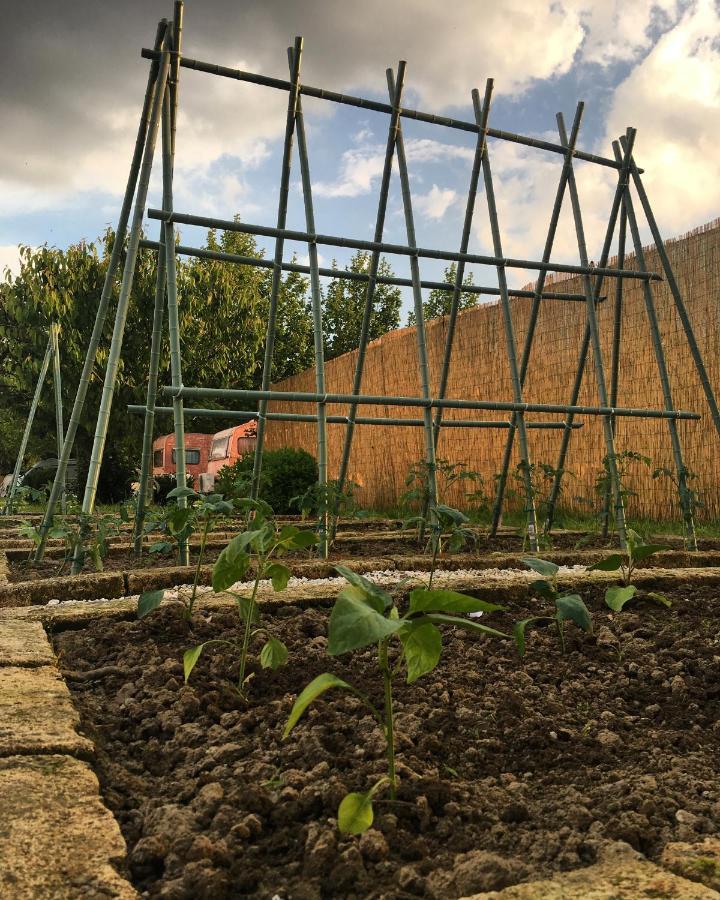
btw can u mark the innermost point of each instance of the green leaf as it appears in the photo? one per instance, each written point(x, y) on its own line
point(279, 575)
point(423, 600)
point(610, 564)
point(355, 813)
point(571, 607)
point(644, 550)
point(311, 692)
point(423, 646)
point(617, 596)
point(662, 599)
point(246, 608)
point(160, 547)
point(355, 623)
point(541, 566)
point(190, 657)
point(182, 492)
point(230, 566)
point(519, 633)
point(543, 589)
point(367, 587)
point(148, 601)
point(302, 540)
point(274, 654)
point(451, 515)
point(467, 624)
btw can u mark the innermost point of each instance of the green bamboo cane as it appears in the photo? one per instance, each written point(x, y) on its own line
point(424, 369)
point(530, 512)
point(107, 291)
point(277, 261)
point(680, 470)
point(596, 346)
point(57, 390)
point(28, 427)
point(318, 336)
point(113, 363)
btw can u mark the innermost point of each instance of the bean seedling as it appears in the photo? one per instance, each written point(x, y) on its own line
point(637, 551)
point(365, 614)
point(568, 607)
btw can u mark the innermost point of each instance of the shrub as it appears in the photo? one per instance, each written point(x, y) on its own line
point(163, 484)
point(286, 473)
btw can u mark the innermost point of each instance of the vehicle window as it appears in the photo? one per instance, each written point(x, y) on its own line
point(219, 448)
point(192, 457)
point(157, 458)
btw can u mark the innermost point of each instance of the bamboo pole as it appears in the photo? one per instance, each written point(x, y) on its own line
point(378, 106)
point(380, 246)
point(277, 271)
point(534, 312)
point(680, 470)
point(113, 362)
point(318, 336)
point(372, 274)
point(378, 400)
point(101, 314)
point(28, 428)
point(249, 415)
point(258, 262)
point(57, 390)
point(596, 346)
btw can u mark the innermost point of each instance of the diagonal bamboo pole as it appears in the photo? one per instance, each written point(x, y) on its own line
point(107, 291)
point(57, 390)
point(121, 312)
point(577, 384)
point(277, 262)
point(318, 337)
point(432, 497)
point(28, 427)
point(680, 470)
point(626, 142)
point(534, 312)
point(596, 346)
point(372, 272)
point(530, 513)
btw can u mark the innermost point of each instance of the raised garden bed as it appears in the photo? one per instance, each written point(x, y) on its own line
point(510, 770)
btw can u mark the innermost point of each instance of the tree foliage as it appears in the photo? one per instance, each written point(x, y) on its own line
point(438, 302)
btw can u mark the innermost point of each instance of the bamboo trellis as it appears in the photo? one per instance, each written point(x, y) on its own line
point(160, 114)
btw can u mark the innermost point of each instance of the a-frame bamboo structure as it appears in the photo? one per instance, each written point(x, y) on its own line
point(160, 113)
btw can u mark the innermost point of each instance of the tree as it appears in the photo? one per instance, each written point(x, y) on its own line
point(344, 304)
point(439, 301)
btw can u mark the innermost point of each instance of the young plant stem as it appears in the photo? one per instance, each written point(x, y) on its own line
point(561, 633)
point(248, 625)
point(201, 554)
point(435, 548)
point(389, 721)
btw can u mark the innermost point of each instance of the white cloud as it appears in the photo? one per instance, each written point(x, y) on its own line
point(9, 259)
point(436, 202)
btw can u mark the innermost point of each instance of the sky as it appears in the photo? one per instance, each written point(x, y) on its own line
point(72, 82)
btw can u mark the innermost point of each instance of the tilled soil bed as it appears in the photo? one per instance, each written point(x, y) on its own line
point(510, 769)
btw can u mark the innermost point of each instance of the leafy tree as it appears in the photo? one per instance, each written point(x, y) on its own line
point(345, 302)
point(438, 302)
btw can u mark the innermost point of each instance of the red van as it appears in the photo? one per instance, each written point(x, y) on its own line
point(229, 445)
point(197, 451)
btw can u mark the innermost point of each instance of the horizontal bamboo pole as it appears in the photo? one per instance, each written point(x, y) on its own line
point(307, 397)
point(220, 256)
point(248, 416)
point(332, 240)
point(378, 106)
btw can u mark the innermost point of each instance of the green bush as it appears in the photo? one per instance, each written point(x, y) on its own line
point(286, 473)
point(163, 484)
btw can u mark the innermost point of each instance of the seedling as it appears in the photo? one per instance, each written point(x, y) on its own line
point(258, 546)
point(568, 607)
point(637, 551)
point(447, 474)
point(204, 512)
point(693, 501)
point(365, 614)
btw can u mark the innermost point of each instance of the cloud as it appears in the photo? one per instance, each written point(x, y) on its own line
point(9, 259)
point(436, 202)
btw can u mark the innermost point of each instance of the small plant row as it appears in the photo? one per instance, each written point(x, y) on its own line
point(408, 636)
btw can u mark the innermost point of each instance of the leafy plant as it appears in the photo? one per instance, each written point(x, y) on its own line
point(204, 512)
point(568, 607)
point(365, 615)
point(258, 546)
point(693, 500)
point(286, 473)
point(417, 495)
point(163, 485)
point(637, 551)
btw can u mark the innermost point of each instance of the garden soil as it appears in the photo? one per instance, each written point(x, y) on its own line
point(510, 769)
